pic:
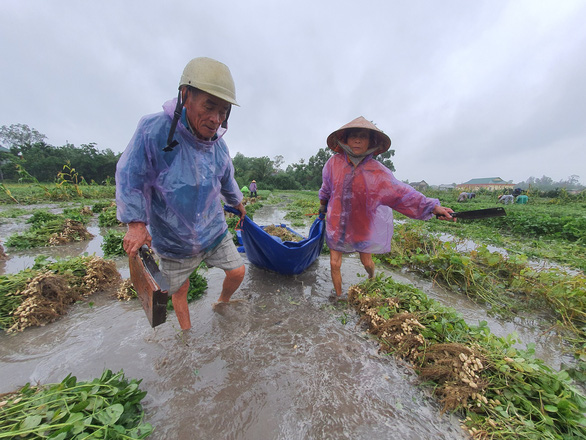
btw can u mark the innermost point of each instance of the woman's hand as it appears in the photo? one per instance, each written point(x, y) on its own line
point(443, 213)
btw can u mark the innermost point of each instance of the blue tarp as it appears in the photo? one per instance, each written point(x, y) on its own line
point(285, 257)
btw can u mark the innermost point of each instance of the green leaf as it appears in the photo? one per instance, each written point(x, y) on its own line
point(80, 406)
point(550, 408)
point(141, 431)
point(74, 417)
point(31, 422)
point(110, 415)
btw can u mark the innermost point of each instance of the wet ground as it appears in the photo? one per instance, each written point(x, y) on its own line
point(285, 363)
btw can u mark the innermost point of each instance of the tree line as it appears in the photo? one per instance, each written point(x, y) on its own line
point(28, 148)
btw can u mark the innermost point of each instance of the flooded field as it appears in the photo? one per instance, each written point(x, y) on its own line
point(286, 362)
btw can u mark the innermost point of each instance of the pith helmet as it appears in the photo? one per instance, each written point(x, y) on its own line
point(211, 76)
point(383, 142)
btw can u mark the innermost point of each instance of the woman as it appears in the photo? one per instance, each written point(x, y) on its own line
point(252, 188)
point(359, 194)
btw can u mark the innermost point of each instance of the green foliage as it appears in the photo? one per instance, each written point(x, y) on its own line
point(16, 135)
point(303, 206)
point(309, 175)
point(113, 244)
point(13, 213)
point(26, 193)
point(69, 180)
point(9, 302)
point(44, 226)
point(107, 407)
point(100, 206)
point(538, 230)
point(108, 218)
point(508, 284)
point(80, 214)
point(45, 162)
point(523, 397)
point(252, 207)
point(8, 193)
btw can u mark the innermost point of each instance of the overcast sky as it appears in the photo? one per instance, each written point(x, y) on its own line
point(465, 89)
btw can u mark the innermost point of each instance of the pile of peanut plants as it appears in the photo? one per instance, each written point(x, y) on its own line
point(502, 392)
point(506, 283)
point(49, 229)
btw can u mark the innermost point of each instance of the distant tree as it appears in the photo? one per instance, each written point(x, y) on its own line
point(315, 165)
point(547, 184)
point(277, 162)
point(248, 168)
point(283, 181)
point(574, 181)
point(308, 175)
point(17, 135)
point(261, 169)
point(385, 159)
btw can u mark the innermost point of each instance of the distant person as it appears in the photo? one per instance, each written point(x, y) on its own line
point(522, 199)
point(170, 196)
point(359, 195)
point(506, 199)
point(252, 188)
point(466, 196)
point(463, 197)
point(517, 192)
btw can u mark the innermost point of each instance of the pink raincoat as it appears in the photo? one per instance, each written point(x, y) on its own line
point(361, 200)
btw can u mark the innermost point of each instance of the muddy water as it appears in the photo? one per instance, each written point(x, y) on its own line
point(284, 363)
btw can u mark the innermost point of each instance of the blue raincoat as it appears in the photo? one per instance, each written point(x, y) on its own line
point(177, 193)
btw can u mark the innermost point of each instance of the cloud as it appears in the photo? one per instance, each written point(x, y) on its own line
point(464, 89)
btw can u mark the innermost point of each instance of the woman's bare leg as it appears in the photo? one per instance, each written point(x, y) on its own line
point(366, 260)
point(335, 267)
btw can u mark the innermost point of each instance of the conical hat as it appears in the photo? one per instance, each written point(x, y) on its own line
point(383, 141)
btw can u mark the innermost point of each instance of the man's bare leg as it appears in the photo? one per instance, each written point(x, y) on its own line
point(232, 282)
point(366, 260)
point(179, 300)
point(335, 268)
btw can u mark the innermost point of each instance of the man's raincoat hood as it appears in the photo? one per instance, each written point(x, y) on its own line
point(176, 193)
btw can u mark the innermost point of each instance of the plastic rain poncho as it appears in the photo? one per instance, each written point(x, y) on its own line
point(361, 200)
point(177, 193)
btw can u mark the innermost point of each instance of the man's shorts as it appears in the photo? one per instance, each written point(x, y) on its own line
point(224, 256)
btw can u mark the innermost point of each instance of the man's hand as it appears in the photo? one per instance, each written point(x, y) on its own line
point(242, 210)
point(135, 237)
point(443, 213)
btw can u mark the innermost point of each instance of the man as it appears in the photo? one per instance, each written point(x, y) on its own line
point(171, 178)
